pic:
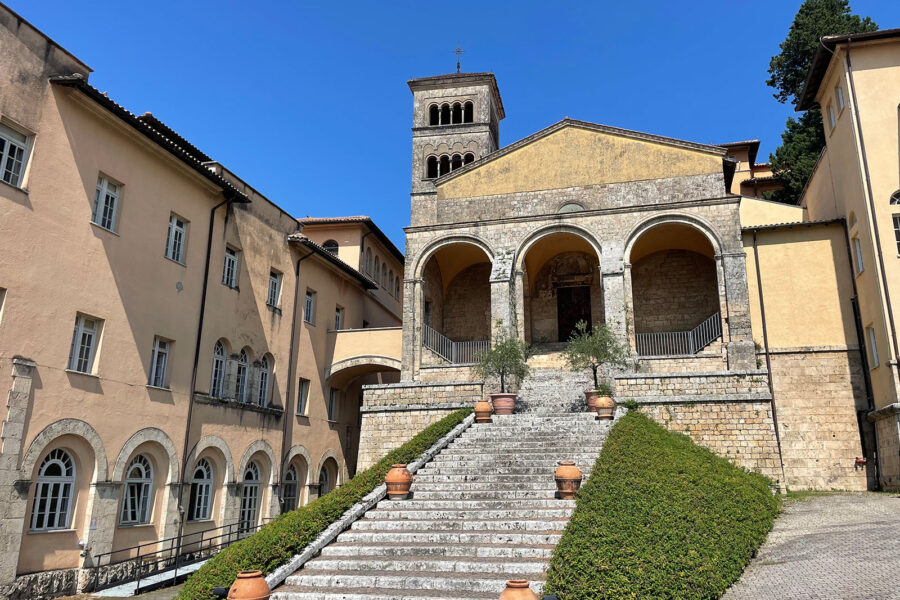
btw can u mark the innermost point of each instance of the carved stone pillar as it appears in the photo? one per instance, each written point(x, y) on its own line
point(739, 340)
point(100, 528)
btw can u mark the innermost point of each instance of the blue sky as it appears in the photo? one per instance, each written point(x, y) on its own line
point(308, 101)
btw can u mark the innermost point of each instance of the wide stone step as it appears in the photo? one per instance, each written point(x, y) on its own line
point(455, 582)
point(500, 486)
point(548, 492)
point(293, 592)
point(512, 538)
point(494, 513)
point(549, 524)
point(490, 462)
point(537, 471)
point(445, 550)
point(451, 504)
point(475, 477)
point(526, 567)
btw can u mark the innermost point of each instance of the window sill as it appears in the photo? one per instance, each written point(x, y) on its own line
point(310, 323)
point(200, 521)
point(104, 229)
point(156, 387)
point(15, 187)
point(332, 422)
point(274, 309)
point(135, 525)
point(236, 288)
point(42, 531)
point(177, 262)
point(232, 403)
point(74, 372)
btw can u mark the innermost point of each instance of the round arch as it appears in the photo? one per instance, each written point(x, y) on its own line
point(671, 219)
point(541, 232)
point(294, 452)
point(259, 446)
point(148, 434)
point(364, 362)
point(435, 245)
point(75, 427)
point(212, 441)
point(340, 468)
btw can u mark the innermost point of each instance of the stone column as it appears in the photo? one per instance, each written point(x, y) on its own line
point(13, 492)
point(169, 513)
point(739, 344)
point(503, 305)
point(274, 508)
point(411, 345)
point(616, 291)
point(312, 492)
point(231, 505)
point(101, 527)
point(520, 282)
point(229, 389)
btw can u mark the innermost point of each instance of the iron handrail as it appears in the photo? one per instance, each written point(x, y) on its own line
point(675, 343)
point(457, 353)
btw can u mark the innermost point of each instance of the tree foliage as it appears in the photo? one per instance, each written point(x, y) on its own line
point(803, 139)
point(594, 349)
point(506, 358)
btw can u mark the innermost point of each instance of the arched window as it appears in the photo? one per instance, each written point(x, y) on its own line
point(263, 382)
point(291, 495)
point(137, 501)
point(397, 287)
point(570, 207)
point(331, 246)
point(457, 112)
point(434, 115)
point(431, 170)
point(377, 269)
point(240, 379)
point(249, 499)
point(384, 275)
point(445, 165)
point(445, 114)
point(217, 384)
point(325, 483)
point(456, 162)
point(895, 197)
point(469, 157)
point(391, 283)
point(468, 113)
point(368, 260)
point(201, 491)
point(54, 496)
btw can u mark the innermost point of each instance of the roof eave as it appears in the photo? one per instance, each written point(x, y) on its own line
point(334, 260)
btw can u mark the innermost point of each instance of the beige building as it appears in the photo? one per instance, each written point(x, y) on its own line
point(183, 360)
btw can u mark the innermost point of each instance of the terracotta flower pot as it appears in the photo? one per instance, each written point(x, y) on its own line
point(568, 479)
point(504, 404)
point(483, 410)
point(249, 585)
point(517, 589)
point(604, 406)
point(398, 481)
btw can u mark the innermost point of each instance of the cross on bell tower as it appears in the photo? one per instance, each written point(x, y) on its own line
point(458, 52)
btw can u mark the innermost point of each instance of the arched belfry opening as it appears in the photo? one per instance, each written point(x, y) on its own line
point(561, 287)
point(675, 291)
point(456, 303)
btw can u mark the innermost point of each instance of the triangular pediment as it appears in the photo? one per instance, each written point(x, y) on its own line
point(575, 153)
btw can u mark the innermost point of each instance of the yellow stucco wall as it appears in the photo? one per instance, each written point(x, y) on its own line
point(574, 156)
point(763, 212)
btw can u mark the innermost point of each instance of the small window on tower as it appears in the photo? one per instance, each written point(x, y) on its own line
point(331, 246)
point(445, 165)
point(456, 162)
point(469, 113)
point(468, 158)
point(432, 168)
point(457, 113)
point(445, 114)
point(434, 115)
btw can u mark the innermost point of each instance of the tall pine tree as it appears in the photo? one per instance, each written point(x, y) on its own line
point(804, 138)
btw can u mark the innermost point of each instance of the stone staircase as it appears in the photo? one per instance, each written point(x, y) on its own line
point(483, 511)
point(551, 387)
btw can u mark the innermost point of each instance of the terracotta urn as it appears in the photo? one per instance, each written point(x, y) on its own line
point(398, 480)
point(568, 479)
point(604, 406)
point(517, 589)
point(504, 404)
point(249, 585)
point(483, 410)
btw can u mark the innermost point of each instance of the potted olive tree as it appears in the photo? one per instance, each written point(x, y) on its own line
point(595, 349)
point(506, 359)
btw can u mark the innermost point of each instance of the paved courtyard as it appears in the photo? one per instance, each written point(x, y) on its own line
point(838, 546)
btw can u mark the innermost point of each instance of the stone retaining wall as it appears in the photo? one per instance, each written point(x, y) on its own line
point(711, 359)
point(393, 413)
point(693, 387)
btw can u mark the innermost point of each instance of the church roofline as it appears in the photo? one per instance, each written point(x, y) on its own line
point(567, 122)
point(457, 80)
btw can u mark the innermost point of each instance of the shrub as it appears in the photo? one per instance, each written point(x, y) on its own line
point(287, 535)
point(592, 348)
point(660, 517)
point(507, 357)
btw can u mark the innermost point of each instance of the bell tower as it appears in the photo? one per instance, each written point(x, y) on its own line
point(456, 120)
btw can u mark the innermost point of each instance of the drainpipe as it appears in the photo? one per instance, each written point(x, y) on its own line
point(871, 198)
point(762, 310)
point(187, 427)
point(292, 374)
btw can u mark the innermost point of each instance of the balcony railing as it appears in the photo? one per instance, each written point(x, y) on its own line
point(674, 343)
point(457, 353)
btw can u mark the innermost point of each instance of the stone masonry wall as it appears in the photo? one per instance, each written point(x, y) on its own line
point(467, 305)
point(711, 359)
point(673, 290)
point(889, 451)
point(693, 387)
point(742, 432)
point(392, 414)
point(817, 394)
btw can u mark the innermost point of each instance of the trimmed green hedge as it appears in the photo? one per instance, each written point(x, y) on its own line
point(660, 517)
point(275, 544)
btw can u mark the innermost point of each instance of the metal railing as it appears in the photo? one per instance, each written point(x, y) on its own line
point(457, 353)
point(673, 343)
point(159, 557)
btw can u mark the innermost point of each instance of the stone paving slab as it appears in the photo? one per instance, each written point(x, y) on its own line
point(835, 547)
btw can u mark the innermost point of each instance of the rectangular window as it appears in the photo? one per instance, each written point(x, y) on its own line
point(857, 250)
point(897, 232)
point(176, 238)
point(839, 98)
point(84, 344)
point(230, 270)
point(274, 288)
point(159, 362)
point(873, 348)
point(302, 396)
point(333, 404)
point(338, 317)
point(309, 310)
point(12, 155)
point(831, 121)
point(106, 203)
